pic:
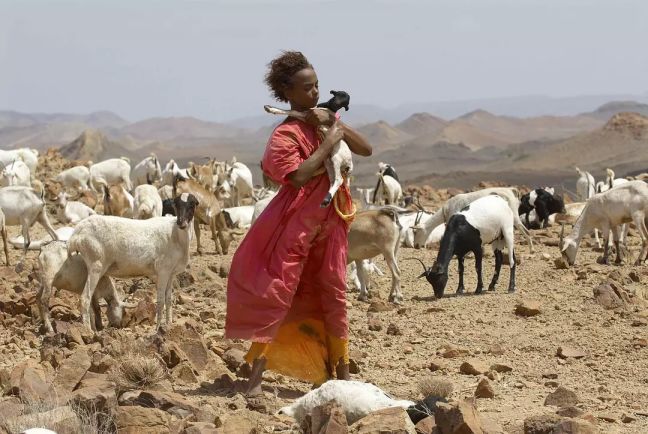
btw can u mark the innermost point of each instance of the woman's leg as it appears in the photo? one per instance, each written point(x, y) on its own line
point(254, 382)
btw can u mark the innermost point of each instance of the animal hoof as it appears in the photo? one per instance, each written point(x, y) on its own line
point(327, 201)
point(363, 298)
point(479, 291)
point(512, 290)
point(491, 288)
point(602, 261)
point(460, 290)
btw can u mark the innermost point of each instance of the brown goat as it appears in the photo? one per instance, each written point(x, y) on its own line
point(208, 212)
point(117, 201)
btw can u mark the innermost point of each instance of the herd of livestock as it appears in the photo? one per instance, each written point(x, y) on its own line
point(150, 215)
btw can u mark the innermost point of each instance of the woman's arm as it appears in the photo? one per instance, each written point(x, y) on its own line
point(357, 143)
point(308, 167)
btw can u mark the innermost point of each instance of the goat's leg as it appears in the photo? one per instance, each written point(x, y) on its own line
point(4, 242)
point(460, 262)
point(395, 295)
point(335, 176)
point(526, 218)
point(512, 260)
point(95, 271)
point(639, 219)
point(617, 245)
point(196, 224)
point(44, 221)
point(362, 279)
point(606, 241)
point(499, 258)
point(43, 297)
point(163, 278)
point(96, 313)
point(168, 302)
point(478, 267)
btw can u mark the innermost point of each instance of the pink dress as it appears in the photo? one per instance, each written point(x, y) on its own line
point(287, 282)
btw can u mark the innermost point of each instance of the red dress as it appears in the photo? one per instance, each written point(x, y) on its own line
point(287, 282)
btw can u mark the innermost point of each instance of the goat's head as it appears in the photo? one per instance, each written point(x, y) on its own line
point(437, 276)
point(568, 247)
point(419, 236)
point(557, 204)
point(185, 207)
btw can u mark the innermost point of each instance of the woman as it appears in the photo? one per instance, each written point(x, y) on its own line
point(286, 288)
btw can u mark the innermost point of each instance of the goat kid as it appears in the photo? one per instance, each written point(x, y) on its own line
point(71, 212)
point(77, 178)
point(109, 172)
point(340, 162)
point(545, 203)
point(147, 202)
point(147, 171)
point(488, 220)
point(118, 201)
point(15, 174)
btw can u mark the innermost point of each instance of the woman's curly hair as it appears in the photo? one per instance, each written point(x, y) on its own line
point(281, 71)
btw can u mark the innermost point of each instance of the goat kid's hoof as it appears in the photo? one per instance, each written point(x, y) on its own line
point(327, 201)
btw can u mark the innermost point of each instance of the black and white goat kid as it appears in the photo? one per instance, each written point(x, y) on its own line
point(545, 203)
point(488, 220)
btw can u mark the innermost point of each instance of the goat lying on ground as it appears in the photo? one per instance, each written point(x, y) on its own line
point(157, 248)
point(608, 210)
point(340, 162)
point(63, 234)
point(71, 212)
point(488, 220)
point(59, 271)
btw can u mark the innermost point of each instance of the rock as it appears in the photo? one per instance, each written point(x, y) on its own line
point(187, 335)
point(528, 308)
point(426, 426)
point(393, 330)
point(234, 358)
point(167, 401)
point(461, 418)
point(626, 418)
point(354, 368)
point(562, 397)
point(611, 295)
point(201, 428)
point(10, 407)
point(574, 426)
point(489, 426)
point(71, 372)
point(329, 419)
point(144, 313)
point(379, 306)
point(542, 424)
point(392, 420)
point(452, 353)
point(374, 324)
point(184, 374)
point(500, 367)
point(566, 352)
point(473, 367)
point(63, 420)
point(29, 379)
point(560, 264)
point(140, 420)
point(571, 411)
point(634, 276)
point(238, 422)
point(185, 279)
point(550, 375)
point(100, 396)
point(78, 334)
point(484, 389)
point(436, 365)
point(496, 349)
point(607, 417)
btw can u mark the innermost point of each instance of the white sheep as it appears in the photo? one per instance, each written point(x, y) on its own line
point(77, 177)
point(119, 247)
point(59, 271)
point(147, 171)
point(109, 172)
point(356, 398)
point(147, 202)
point(71, 212)
point(607, 211)
point(15, 174)
point(25, 206)
point(459, 202)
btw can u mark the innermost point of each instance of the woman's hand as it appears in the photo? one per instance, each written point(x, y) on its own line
point(333, 135)
point(320, 116)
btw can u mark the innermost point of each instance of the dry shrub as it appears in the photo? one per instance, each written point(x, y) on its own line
point(437, 387)
point(55, 415)
point(137, 371)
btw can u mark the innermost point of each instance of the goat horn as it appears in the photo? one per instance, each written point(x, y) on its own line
point(417, 259)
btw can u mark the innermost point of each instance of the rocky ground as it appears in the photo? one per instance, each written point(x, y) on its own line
point(569, 340)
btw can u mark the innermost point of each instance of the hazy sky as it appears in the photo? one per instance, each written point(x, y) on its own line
point(207, 58)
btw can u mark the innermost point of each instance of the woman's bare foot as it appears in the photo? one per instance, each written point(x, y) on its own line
point(256, 376)
point(342, 371)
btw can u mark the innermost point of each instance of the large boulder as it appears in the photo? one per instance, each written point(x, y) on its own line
point(29, 380)
point(71, 372)
point(392, 420)
point(140, 420)
point(459, 418)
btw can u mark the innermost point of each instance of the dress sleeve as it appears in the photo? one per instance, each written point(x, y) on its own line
point(282, 156)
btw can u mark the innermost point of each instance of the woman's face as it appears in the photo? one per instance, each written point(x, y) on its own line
point(303, 93)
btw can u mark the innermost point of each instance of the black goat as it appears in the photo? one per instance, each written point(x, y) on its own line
point(544, 204)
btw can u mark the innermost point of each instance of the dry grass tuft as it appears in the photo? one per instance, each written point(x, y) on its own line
point(437, 387)
point(137, 371)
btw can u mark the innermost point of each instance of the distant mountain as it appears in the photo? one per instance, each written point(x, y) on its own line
point(422, 123)
point(381, 135)
point(174, 129)
point(99, 119)
point(95, 146)
point(606, 111)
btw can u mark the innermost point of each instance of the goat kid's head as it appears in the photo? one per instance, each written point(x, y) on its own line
point(419, 236)
point(185, 206)
point(568, 247)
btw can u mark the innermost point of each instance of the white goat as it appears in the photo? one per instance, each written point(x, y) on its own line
point(63, 234)
point(239, 216)
point(27, 156)
point(610, 182)
point(77, 177)
point(261, 205)
point(369, 267)
point(171, 170)
point(239, 178)
point(338, 165)
point(59, 271)
point(585, 185)
point(147, 171)
point(109, 172)
point(607, 211)
point(119, 247)
point(389, 190)
point(71, 212)
point(147, 202)
point(15, 174)
point(25, 206)
point(366, 195)
point(460, 201)
point(358, 399)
